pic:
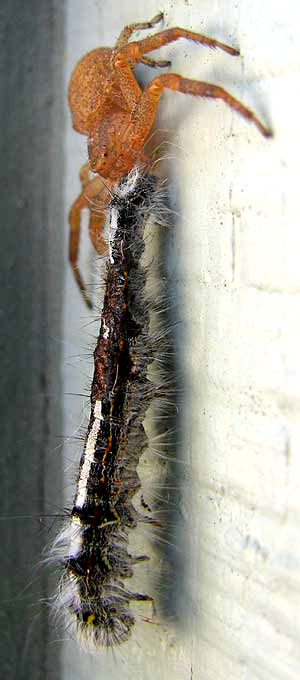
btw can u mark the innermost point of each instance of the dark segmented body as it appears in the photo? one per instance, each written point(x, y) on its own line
point(98, 559)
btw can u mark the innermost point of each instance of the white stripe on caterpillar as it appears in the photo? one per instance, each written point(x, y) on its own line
point(88, 455)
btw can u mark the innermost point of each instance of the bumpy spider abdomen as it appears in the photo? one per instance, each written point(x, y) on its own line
point(93, 91)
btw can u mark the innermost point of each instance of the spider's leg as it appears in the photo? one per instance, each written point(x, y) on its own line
point(95, 228)
point(91, 190)
point(84, 175)
point(142, 117)
point(134, 51)
point(155, 63)
point(127, 81)
point(128, 30)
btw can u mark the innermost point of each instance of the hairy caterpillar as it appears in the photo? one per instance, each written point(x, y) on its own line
point(92, 547)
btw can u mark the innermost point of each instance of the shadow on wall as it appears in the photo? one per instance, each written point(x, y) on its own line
point(31, 285)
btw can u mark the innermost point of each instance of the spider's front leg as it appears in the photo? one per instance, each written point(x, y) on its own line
point(91, 191)
point(144, 106)
point(148, 103)
point(135, 51)
point(129, 30)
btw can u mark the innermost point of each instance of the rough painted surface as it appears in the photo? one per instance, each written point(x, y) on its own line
point(235, 263)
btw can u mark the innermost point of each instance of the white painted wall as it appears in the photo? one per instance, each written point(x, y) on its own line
point(236, 263)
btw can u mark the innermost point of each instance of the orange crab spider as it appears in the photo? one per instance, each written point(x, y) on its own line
point(108, 105)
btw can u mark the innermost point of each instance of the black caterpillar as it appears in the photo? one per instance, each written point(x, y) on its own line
point(93, 544)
